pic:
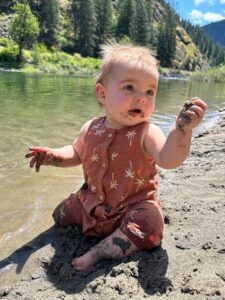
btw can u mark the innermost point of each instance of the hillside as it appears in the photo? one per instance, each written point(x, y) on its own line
point(187, 55)
point(216, 31)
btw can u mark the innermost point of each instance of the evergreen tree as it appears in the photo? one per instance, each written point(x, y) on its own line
point(139, 29)
point(166, 48)
point(24, 28)
point(48, 14)
point(6, 6)
point(104, 20)
point(75, 7)
point(85, 35)
point(162, 44)
point(149, 10)
point(125, 14)
point(150, 18)
point(210, 49)
point(34, 5)
point(218, 55)
point(172, 34)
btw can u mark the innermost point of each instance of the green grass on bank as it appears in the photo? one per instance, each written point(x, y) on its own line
point(45, 61)
point(215, 74)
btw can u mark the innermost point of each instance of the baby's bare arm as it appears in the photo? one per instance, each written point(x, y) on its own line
point(170, 152)
point(67, 156)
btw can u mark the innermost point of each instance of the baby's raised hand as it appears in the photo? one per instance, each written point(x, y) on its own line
point(41, 156)
point(191, 114)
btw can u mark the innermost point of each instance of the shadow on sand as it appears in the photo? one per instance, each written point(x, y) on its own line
point(147, 268)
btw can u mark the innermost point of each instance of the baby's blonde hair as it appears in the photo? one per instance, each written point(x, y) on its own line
point(115, 54)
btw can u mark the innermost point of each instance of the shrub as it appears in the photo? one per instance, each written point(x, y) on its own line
point(4, 42)
point(39, 49)
point(9, 54)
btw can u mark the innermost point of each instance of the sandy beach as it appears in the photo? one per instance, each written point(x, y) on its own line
point(190, 263)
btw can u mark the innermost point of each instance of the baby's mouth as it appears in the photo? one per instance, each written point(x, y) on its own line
point(135, 112)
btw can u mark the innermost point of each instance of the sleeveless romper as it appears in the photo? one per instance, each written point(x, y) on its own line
point(120, 187)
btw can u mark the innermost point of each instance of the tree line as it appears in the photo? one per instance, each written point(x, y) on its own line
point(214, 52)
point(89, 23)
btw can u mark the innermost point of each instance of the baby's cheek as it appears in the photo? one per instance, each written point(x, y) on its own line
point(123, 115)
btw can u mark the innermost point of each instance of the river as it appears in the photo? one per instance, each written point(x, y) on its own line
point(49, 110)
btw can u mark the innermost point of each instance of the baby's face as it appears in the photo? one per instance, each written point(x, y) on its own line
point(128, 95)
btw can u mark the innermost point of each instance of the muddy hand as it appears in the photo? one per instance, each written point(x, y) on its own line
point(191, 113)
point(40, 156)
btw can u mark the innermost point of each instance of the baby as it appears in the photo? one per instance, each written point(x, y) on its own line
point(119, 153)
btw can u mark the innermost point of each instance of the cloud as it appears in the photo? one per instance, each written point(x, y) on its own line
point(196, 14)
point(197, 2)
point(199, 18)
point(222, 1)
point(211, 2)
point(212, 17)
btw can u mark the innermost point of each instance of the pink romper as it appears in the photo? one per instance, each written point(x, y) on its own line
point(119, 190)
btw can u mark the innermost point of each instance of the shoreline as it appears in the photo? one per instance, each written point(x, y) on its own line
point(55, 73)
point(167, 74)
point(170, 74)
point(188, 265)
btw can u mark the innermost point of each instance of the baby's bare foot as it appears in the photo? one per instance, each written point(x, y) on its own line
point(116, 245)
point(84, 262)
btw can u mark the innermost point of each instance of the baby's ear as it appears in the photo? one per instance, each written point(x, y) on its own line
point(100, 93)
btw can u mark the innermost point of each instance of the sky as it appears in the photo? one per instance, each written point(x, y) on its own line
point(200, 12)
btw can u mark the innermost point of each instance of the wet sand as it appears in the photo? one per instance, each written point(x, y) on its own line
point(188, 265)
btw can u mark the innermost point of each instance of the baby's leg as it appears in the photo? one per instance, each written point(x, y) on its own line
point(68, 212)
point(116, 245)
point(143, 224)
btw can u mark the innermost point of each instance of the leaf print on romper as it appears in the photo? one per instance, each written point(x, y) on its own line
point(139, 183)
point(99, 132)
point(130, 136)
point(121, 201)
point(129, 172)
point(61, 212)
point(94, 128)
point(94, 156)
point(113, 184)
point(114, 155)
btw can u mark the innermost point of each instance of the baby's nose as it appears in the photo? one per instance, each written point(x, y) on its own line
point(140, 97)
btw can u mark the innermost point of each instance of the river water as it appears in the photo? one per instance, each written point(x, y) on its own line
point(49, 110)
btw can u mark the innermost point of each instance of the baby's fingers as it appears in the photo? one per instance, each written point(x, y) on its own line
point(37, 148)
point(34, 151)
point(30, 154)
point(35, 163)
point(200, 103)
point(37, 167)
point(32, 162)
point(197, 110)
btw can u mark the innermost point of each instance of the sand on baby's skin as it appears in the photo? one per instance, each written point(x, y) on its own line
point(190, 264)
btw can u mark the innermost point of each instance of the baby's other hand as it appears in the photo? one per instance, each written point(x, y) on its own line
point(191, 114)
point(40, 156)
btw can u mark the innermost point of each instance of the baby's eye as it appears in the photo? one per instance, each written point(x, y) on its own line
point(150, 93)
point(129, 87)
